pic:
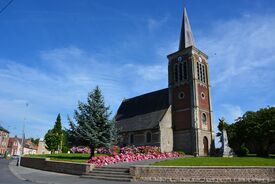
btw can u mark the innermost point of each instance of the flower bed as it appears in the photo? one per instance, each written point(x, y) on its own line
point(80, 149)
point(131, 154)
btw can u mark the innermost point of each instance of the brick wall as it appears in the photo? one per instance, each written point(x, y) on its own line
point(203, 174)
point(56, 166)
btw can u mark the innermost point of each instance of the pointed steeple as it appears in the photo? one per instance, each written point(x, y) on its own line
point(186, 36)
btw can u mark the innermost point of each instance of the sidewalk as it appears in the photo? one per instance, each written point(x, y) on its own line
point(44, 177)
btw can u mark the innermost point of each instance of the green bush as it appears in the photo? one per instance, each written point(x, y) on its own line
point(243, 151)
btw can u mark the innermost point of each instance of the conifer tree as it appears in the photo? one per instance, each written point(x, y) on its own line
point(93, 127)
point(54, 137)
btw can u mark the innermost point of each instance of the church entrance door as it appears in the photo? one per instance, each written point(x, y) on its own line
point(205, 146)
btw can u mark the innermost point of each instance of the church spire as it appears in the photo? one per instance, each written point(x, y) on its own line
point(186, 36)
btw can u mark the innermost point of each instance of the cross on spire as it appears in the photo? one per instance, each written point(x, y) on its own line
point(186, 36)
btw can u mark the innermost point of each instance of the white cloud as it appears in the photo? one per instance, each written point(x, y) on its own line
point(241, 49)
point(154, 24)
point(231, 112)
point(152, 73)
point(63, 76)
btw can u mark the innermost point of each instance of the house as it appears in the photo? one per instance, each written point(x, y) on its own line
point(41, 149)
point(178, 117)
point(14, 146)
point(4, 138)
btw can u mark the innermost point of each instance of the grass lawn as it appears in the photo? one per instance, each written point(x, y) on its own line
point(77, 157)
point(219, 161)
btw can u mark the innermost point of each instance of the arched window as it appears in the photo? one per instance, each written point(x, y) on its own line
point(148, 137)
point(185, 70)
point(204, 118)
point(201, 72)
point(180, 71)
point(131, 139)
point(176, 73)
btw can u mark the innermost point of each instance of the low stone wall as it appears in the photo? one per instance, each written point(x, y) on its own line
point(56, 166)
point(203, 174)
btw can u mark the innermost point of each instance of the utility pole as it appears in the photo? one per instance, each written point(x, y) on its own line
point(22, 141)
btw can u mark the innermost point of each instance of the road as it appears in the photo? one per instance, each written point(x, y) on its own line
point(6, 177)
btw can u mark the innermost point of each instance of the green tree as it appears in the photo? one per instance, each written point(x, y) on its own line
point(54, 137)
point(65, 145)
point(34, 141)
point(221, 126)
point(255, 130)
point(57, 129)
point(260, 129)
point(58, 125)
point(51, 140)
point(93, 127)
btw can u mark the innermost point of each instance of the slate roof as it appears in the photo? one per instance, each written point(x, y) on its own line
point(142, 112)
point(3, 129)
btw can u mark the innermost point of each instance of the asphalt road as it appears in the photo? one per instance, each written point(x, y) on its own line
point(6, 177)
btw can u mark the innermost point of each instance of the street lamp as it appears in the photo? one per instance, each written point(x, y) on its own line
point(22, 141)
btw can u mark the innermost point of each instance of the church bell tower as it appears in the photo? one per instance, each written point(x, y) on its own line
point(189, 95)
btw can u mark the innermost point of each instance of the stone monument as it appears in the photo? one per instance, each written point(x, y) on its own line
point(225, 149)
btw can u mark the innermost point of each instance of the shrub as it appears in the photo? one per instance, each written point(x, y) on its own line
point(80, 149)
point(243, 151)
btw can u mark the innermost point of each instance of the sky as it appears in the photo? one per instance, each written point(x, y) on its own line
point(53, 53)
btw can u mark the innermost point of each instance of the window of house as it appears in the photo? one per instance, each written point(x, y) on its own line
point(148, 137)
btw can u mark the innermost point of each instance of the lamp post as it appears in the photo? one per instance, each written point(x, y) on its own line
point(22, 141)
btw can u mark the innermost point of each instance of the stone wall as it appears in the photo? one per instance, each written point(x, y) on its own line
point(184, 141)
point(203, 174)
point(166, 132)
point(56, 166)
point(140, 138)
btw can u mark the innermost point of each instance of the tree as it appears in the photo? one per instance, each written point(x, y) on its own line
point(54, 137)
point(260, 129)
point(65, 145)
point(221, 126)
point(58, 125)
point(93, 127)
point(115, 134)
point(57, 129)
point(52, 141)
point(254, 130)
point(34, 141)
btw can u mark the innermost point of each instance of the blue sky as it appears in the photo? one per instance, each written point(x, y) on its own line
point(52, 53)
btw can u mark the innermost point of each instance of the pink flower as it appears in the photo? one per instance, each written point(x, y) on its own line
point(130, 154)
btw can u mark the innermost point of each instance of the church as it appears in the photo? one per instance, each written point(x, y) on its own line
point(178, 117)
